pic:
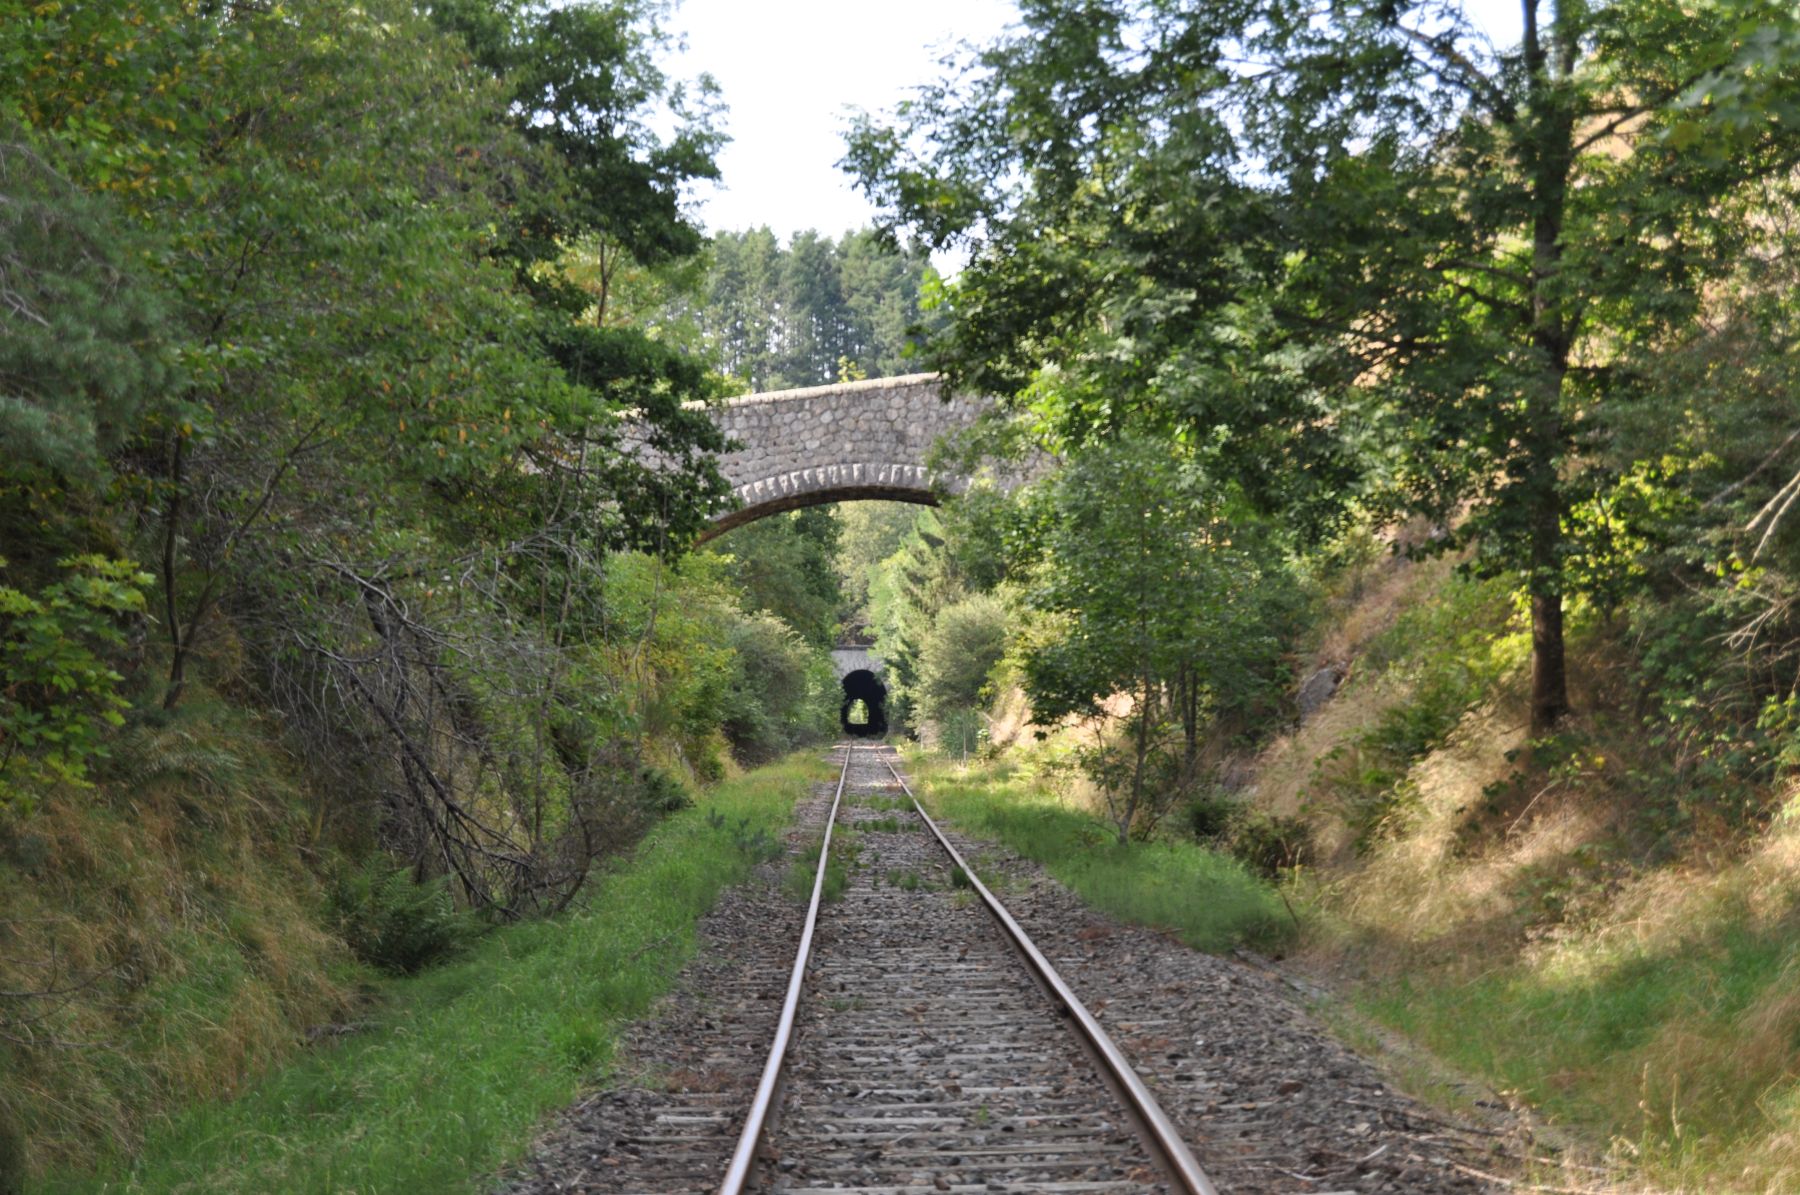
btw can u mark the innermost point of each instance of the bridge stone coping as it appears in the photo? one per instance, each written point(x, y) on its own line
point(854, 440)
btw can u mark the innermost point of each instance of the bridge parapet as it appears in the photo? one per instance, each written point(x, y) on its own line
point(867, 439)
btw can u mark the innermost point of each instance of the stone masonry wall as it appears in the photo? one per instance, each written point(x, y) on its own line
point(831, 443)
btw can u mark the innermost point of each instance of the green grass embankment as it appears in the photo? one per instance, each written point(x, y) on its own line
point(1207, 899)
point(459, 1068)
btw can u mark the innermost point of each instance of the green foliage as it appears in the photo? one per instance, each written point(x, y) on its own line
point(1708, 598)
point(1447, 656)
point(1156, 583)
point(966, 640)
point(807, 314)
point(79, 331)
point(868, 533)
point(1391, 257)
point(393, 921)
point(585, 86)
point(781, 693)
point(58, 688)
point(937, 565)
point(1269, 844)
point(803, 872)
point(662, 793)
point(783, 564)
point(1678, 1044)
point(1211, 814)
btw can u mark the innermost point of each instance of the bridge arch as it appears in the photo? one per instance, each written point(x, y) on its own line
point(839, 443)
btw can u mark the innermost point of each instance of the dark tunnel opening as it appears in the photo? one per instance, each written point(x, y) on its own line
point(864, 695)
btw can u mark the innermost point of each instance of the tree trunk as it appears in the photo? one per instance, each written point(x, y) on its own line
point(1549, 673)
point(1137, 768)
point(178, 647)
point(1188, 696)
point(1547, 143)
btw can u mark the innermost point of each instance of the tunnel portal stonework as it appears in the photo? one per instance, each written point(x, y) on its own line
point(837, 443)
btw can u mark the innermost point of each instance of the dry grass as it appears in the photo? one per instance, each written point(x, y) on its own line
point(1527, 923)
point(1363, 610)
point(169, 920)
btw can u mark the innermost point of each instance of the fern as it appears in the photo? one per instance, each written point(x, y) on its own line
point(147, 755)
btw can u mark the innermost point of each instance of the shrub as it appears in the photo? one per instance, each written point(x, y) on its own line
point(391, 921)
point(57, 688)
point(1270, 843)
point(660, 792)
point(966, 641)
point(779, 695)
point(1265, 842)
point(1212, 813)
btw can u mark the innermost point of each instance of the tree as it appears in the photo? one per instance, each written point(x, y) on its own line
point(801, 315)
point(781, 693)
point(966, 640)
point(906, 593)
point(79, 328)
point(783, 565)
point(359, 447)
point(1148, 582)
point(585, 87)
point(868, 533)
point(1363, 249)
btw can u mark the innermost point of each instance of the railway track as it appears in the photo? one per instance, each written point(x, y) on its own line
point(926, 1045)
point(924, 1055)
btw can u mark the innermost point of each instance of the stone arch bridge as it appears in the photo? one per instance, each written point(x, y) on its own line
point(838, 443)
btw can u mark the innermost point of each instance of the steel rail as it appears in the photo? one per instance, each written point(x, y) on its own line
point(744, 1156)
point(1164, 1135)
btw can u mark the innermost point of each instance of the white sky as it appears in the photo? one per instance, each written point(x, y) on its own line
point(791, 70)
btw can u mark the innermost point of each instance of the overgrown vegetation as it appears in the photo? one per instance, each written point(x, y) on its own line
point(1574, 919)
point(1207, 899)
point(339, 622)
point(1522, 314)
point(447, 1078)
point(341, 632)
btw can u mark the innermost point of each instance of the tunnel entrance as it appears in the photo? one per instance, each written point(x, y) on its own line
point(864, 712)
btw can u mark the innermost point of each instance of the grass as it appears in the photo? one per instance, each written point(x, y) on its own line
point(1208, 900)
point(804, 870)
point(906, 881)
point(457, 1072)
point(1526, 913)
point(885, 825)
point(1679, 1041)
point(170, 906)
point(887, 804)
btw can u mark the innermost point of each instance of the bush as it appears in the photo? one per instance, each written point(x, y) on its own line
point(1267, 843)
point(1212, 814)
point(393, 922)
point(779, 695)
point(660, 792)
point(57, 686)
point(964, 644)
point(1270, 843)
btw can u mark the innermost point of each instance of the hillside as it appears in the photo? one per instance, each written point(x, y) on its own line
point(1599, 925)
